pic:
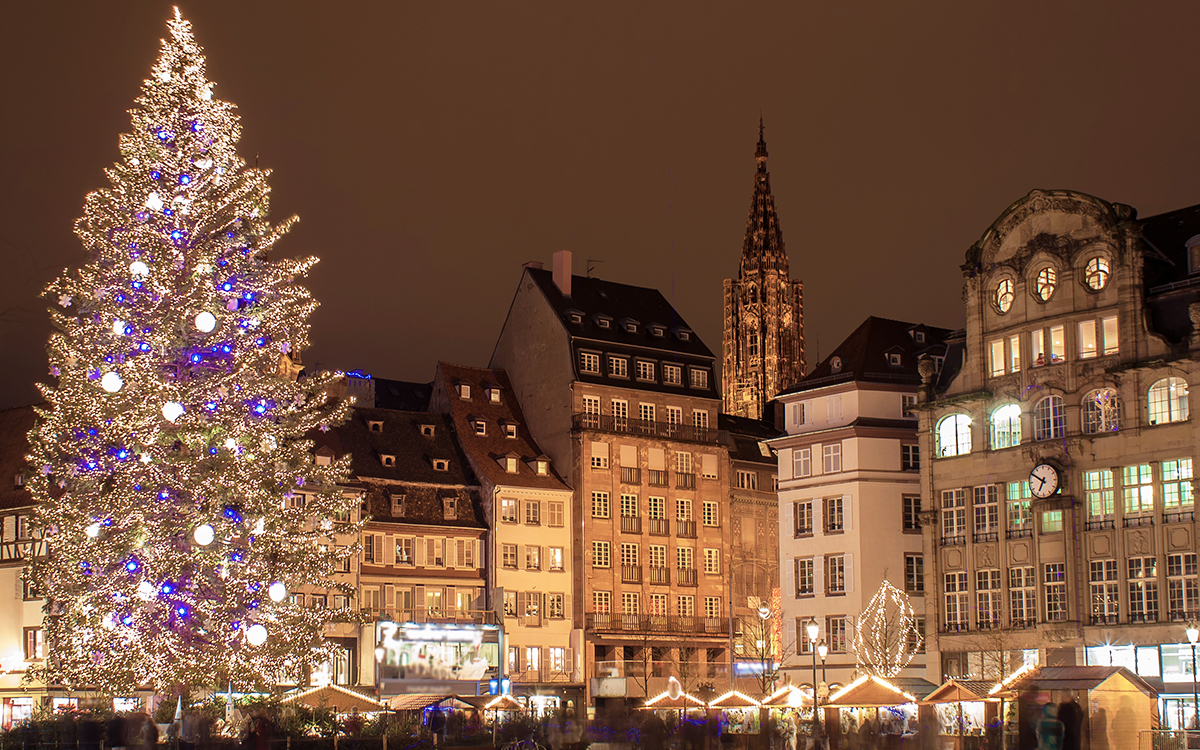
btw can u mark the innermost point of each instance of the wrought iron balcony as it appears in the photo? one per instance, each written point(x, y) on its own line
point(1183, 516)
point(685, 481)
point(686, 529)
point(659, 527)
point(687, 577)
point(665, 624)
point(631, 524)
point(1020, 532)
point(657, 477)
point(1102, 619)
point(631, 574)
point(660, 576)
point(650, 428)
point(631, 475)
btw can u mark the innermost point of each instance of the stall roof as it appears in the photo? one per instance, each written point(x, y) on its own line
point(1072, 678)
point(734, 699)
point(788, 695)
point(492, 702)
point(953, 691)
point(418, 701)
point(870, 691)
point(664, 700)
point(336, 697)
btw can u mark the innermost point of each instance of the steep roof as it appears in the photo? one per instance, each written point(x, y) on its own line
point(743, 436)
point(402, 395)
point(15, 425)
point(864, 355)
point(762, 248)
point(488, 450)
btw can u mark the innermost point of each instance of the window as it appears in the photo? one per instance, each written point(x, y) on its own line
point(835, 633)
point(997, 363)
point(1177, 485)
point(685, 558)
point(835, 574)
point(599, 455)
point(1003, 297)
point(1045, 283)
point(1052, 522)
point(591, 412)
point(1098, 494)
point(1137, 492)
point(699, 377)
point(672, 375)
point(602, 602)
point(657, 555)
point(1108, 327)
point(802, 462)
point(954, 435)
point(752, 344)
point(1168, 401)
point(802, 515)
point(1014, 353)
point(433, 553)
point(1143, 589)
point(683, 509)
point(1102, 578)
point(1055, 580)
point(645, 370)
point(555, 606)
point(629, 553)
point(554, 513)
point(1022, 604)
point(618, 367)
point(449, 508)
point(910, 458)
point(629, 506)
point(957, 601)
point(554, 558)
point(405, 554)
point(914, 573)
point(599, 505)
point(656, 507)
point(1087, 339)
point(35, 644)
point(480, 427)
point(646, 414)
point(804, 575)
point(493, 394)
point(908, 403)
point(631, 603)
point(911, 512)
point(464, 390)
point(831, 458)
point(658, 605)
point(685, 605)
point(397, 504)
point(1183, 596)
point(1095, 273)
point(712, 607)
point(1101, 412)
point(987, 598)
point(533, 513)
point(894, 359)
point(674, 419)
point(508, 554)
point(589, 363)
point(834, 515)
point(833, 408)
point(954, 516)
point(800, 413)
point(747, 480)
point(1006, 426)
point(711, 513)
point(601, 555)
point(510, 431)
point(712, 561)
point(1049, 419)
point(987, 510)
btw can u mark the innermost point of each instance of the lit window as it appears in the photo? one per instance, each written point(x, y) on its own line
point(1168, 401)
point(589, 363)
point(1101, 412)
point(1004, 295)
point(1098, 494)
point(1177, 485)
point(699, 377)
point(802, 462)
point(480, 427)
point(1045, 283)
point(1087, 339)
point(1006, 426)
point(672, 375)
point(618, 367)
point(601, 556)
point(1049, 419)
point(464, 390)
point(954, 435)
point(645, 370)
point(510, 430)
point(1095, 274)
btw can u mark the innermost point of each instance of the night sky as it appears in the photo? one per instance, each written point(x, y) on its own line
point(431, 148)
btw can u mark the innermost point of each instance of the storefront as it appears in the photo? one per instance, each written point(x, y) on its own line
point(430, 658)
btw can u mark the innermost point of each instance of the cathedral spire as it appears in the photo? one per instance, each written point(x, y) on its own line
point(763, 247)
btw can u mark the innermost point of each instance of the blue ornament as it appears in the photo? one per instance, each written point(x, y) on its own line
point(136, 284)
point(131, 564)
point(177, 235)
point(164, 135)
point(212, 451)
point(144, 347)
point(127, 621)
point(236, 624)
point(249, 296)
point(227, 287)
point(184, 179)
point(168, 212)
point(155, 175)
point(166, 588)
point(195, 126)
point(181, 610)
point(195, 357)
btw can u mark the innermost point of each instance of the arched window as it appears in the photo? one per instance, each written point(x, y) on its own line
point(1006, 426)
point(1168, 399)
point(1101, 412)
point(1095, 274)
point(1004, 295)
point(954, 435)
point(1049, 418)
point(1045, 283)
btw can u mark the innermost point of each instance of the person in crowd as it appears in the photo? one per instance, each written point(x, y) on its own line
point(149, 735)
point(1050, 729)
point(115, 732)
point(1070, 714)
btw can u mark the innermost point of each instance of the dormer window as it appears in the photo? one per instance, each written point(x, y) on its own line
point(630, 326)
point(397, 504)
point(464, 390)
point(480, 427)
point(450, 508)
point(389, 461)
point(427, 430)
point(919, 336)
point(441, 464)
point(542, 467)
point(493, 394)
point(618, 367)
point(324, 456)
point(894, 360)
point(510, 464)
point(18, 480)
point(510, 431)
point(683, 334)
point(375, 426)
point(575, 317)
point(657, 331)
point(603, 321)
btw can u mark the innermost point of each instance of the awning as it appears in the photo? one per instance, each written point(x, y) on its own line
point(869, 691)
point(337, 698)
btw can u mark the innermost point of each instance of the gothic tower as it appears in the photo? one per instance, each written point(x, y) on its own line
point(764, 313)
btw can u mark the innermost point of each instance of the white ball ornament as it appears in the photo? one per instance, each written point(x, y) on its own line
point(145, 591)
point(256, 634)
point(119, 327)
point(93, 531)
point(172, 410)
point(138, 268)
point(111, 382)
point(206, 322)
point(204, 535)
point(277, 591)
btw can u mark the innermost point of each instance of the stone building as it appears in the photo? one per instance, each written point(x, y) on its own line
point(626, 408)
point(1057, 448)
point(849, 491)
point(763, 342)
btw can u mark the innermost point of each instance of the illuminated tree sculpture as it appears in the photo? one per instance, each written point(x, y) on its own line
point(173, 439)
point(886, 637)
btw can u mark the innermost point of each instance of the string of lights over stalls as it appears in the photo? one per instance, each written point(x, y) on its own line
point(173, 439)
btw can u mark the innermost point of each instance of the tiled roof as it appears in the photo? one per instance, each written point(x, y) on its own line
point(864, 354)
point(15, 425)
point(402, 395)
point(487, 450)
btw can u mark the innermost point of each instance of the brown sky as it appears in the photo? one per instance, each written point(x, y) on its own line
point(432, 147)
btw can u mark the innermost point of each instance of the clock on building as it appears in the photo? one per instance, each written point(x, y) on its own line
point(1043, 480)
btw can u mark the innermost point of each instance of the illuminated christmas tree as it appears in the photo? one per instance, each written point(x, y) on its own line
point(886, 637)
point(172, 448)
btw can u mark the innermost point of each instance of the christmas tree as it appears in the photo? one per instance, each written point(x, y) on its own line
point(176, 487)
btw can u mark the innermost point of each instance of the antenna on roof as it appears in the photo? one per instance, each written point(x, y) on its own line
point(591, 267)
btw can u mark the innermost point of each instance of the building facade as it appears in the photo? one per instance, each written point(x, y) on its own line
point(849, 492)
point(1058, 447)
point(627, 411)
point(763, 340)
point(528, 560)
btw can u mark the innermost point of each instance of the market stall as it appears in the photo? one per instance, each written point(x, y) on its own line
point(965, 714)
point(790, 709)
point(736, 713)
point(336, 698)
point(873, 712)
point(493, 709)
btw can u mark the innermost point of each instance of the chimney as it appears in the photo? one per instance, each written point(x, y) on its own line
point(562, 272)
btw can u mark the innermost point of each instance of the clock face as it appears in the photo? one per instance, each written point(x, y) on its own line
point(1043, 480)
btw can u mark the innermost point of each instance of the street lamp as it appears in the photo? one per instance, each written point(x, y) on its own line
point(1193, 633)
point(764, 614)
point(380, 652)
point(813, 629)
point(823, 651)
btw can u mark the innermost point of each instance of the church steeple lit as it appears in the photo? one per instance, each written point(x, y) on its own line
point(764, 314)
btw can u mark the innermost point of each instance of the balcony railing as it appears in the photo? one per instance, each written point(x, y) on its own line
point(985, 536)
point(1022, 623)
point(1100, 523)
point(1143, 617)
point(985, 624)
point(432, 615)
point(660, 576)
point(668, 624)
point(659, 527)
point(657, 477)
point(1183, 516)
point(1138, 521)
point(631, 475)
point(631, 574)
point(1183, 615)
point(685, 529)
point(954, 541)
point(631, 524)
point(687, 577)
point(1101, 619)
point(670, 430)
point(685, 481)
point(956, 627)
point(1021, 532)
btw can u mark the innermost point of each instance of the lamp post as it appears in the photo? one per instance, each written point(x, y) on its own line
point(823, 651)
point(380, 652)
point(764, 614)
point(813, 629)
point(1193, 633)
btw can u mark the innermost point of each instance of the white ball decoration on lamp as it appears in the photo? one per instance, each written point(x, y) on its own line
point(206, 321)
point(256, 634)
point(204, 535)
point(172, 410)
point(111, 382)
point(277, 591)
